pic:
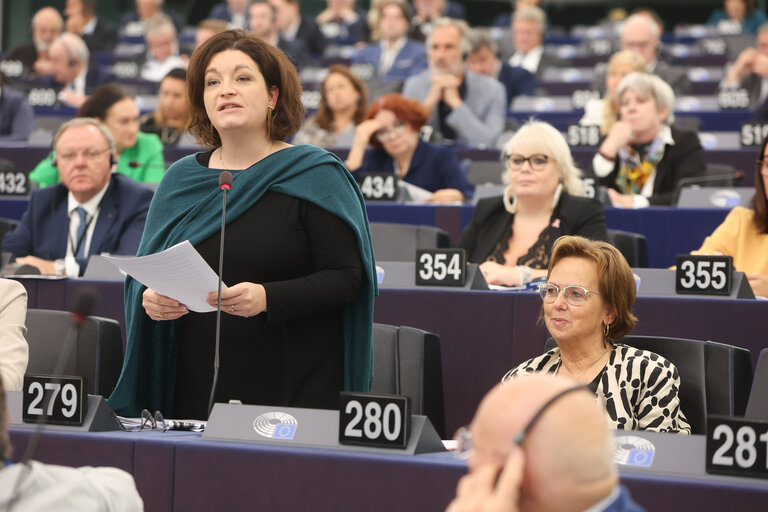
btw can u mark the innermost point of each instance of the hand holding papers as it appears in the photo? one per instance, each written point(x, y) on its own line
point(178, 272)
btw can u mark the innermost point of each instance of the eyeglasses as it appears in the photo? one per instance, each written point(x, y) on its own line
point(574, 295)
point(90, 154)
point(536, 162)
point(463, 437)
point(389, 133)
point(152, 422)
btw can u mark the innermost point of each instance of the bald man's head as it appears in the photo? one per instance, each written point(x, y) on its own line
point(568, 451)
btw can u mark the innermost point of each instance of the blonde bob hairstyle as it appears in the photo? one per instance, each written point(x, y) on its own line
point(617, 284)
point(540, 137)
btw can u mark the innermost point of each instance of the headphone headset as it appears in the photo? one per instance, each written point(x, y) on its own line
point(72, 63)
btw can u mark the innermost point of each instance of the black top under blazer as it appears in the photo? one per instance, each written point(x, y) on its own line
point(581, 216)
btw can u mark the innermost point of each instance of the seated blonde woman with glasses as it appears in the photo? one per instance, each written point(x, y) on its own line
point(511, 236)
point(587, 303)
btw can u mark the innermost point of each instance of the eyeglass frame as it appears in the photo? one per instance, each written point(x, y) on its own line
point(463, 436)
point(153, 420)
point(543, 290)
point(388, 133)
point(89, 154)
point(508, 159)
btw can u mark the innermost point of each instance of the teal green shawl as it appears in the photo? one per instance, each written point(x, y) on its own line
point(187, 206)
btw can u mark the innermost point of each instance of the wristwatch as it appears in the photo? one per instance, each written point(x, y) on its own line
point(60, 266)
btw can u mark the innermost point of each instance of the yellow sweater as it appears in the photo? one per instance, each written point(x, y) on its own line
point(738, 237)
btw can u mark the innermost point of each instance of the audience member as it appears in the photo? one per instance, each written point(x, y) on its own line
point(743, 235)
point(342, 23)
point(395, 56)
point(750, 70)
point(140, 154)
point(588, 299)
point(392, 127)
point(539, 443)
point(262, 23)
point(34, 57)
point(162, 49)
point(427, 11)
point(17, 119)
point(14, 351)
point(99, 35)
point(37, 486)
point(511, 236)
point(134, 22)
point(169, 119)
point(301, 31)
point(484, 60)
point(603, 112)
point(234, 12)
point(643, 158)
point(343, 102)
point(528, 26)
point(71, 74)
point(208, 28)
point(743, 13)
point(461, 105)
point(91, 211)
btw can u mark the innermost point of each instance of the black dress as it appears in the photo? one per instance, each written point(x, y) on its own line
point(293, 354)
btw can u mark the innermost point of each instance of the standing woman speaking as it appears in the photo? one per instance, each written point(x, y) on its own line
point(298, 257)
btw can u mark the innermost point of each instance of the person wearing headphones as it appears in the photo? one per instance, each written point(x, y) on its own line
point(462, 106)
point(91, 210)
point(162, 49)
point(71, 75)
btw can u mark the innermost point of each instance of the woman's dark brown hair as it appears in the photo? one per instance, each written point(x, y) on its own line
point(101, 100)
point(324, 116)
point(406, 110)
point(759, 203)
point(274, 66)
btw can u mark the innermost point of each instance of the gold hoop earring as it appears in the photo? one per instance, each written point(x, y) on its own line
point(606, 330)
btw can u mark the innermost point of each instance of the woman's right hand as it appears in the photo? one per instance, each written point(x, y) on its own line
point(501, 274)
point(621, 135)
point(160, 307)
point(363, 133)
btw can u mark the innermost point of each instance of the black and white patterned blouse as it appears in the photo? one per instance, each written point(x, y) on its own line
point(640, 388)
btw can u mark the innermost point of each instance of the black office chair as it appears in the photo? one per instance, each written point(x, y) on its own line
point(399, 242)
point(729, 379)
point(407, 361)
point(757, 407)
point(96, 353)
point(632, 245)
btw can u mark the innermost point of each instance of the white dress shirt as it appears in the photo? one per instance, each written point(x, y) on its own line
point(91, 207)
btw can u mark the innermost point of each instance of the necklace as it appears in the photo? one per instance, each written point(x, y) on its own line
point(578, 376)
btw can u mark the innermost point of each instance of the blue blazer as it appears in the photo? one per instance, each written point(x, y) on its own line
point(432, 168)
point(411, 60)
point(17, 118)
point(44, 228)
point(518, 81)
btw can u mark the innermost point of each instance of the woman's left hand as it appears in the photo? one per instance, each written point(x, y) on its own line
point(446, 195)
point(501, 274)
point(620, 200)
point(759, 284)
point(242, 299)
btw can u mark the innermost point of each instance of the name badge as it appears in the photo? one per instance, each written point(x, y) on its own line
point(441, 267)
point(60, 400)
point(378, 186)
point(704, 275)
point(378, 421)
point(14, 183)
point(733, 98)
point(736, 446)
point(578, 135)
point(752, 134)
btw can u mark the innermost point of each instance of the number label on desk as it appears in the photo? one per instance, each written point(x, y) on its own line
point(578, 135)
point(752, 134)
point(714, 46)
point(441, 267)
point(704, 275)
point(379, 421)
point(736, 446)
point(39, 97)
point(13, 183)
point(580, 97)
point(733, 98)
point(378, 186)
point(599, 46)
point(61, 400)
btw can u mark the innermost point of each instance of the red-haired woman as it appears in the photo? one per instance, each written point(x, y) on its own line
point(392, 127)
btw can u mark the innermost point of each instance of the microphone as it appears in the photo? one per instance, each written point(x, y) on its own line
point(133, 164)
point(225, 184)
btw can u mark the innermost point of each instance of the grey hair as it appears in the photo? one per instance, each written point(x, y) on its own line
point(642, 18)
point(75, 47)
point(462, 27)
point(87, 121)
point(481, 38)
point(548, 140)
point(644, 83)
point(532, 13)
point(160, 24)
point(44, 10)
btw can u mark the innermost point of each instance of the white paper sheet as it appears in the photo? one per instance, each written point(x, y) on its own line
point(178, 272)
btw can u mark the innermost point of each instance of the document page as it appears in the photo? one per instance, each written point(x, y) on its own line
point(178, 272)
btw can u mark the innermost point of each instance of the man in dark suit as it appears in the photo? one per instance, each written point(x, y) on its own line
point(71, 75)
point(395, 57)
point(298, 29)
point(99, 35)
point(46, 26)
point(17, 119)
point(528, 26)
point(540, 442)
point(89, 212)
point(234, 12)
point(262, 22)
point(484, 59)
point(750, 70)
